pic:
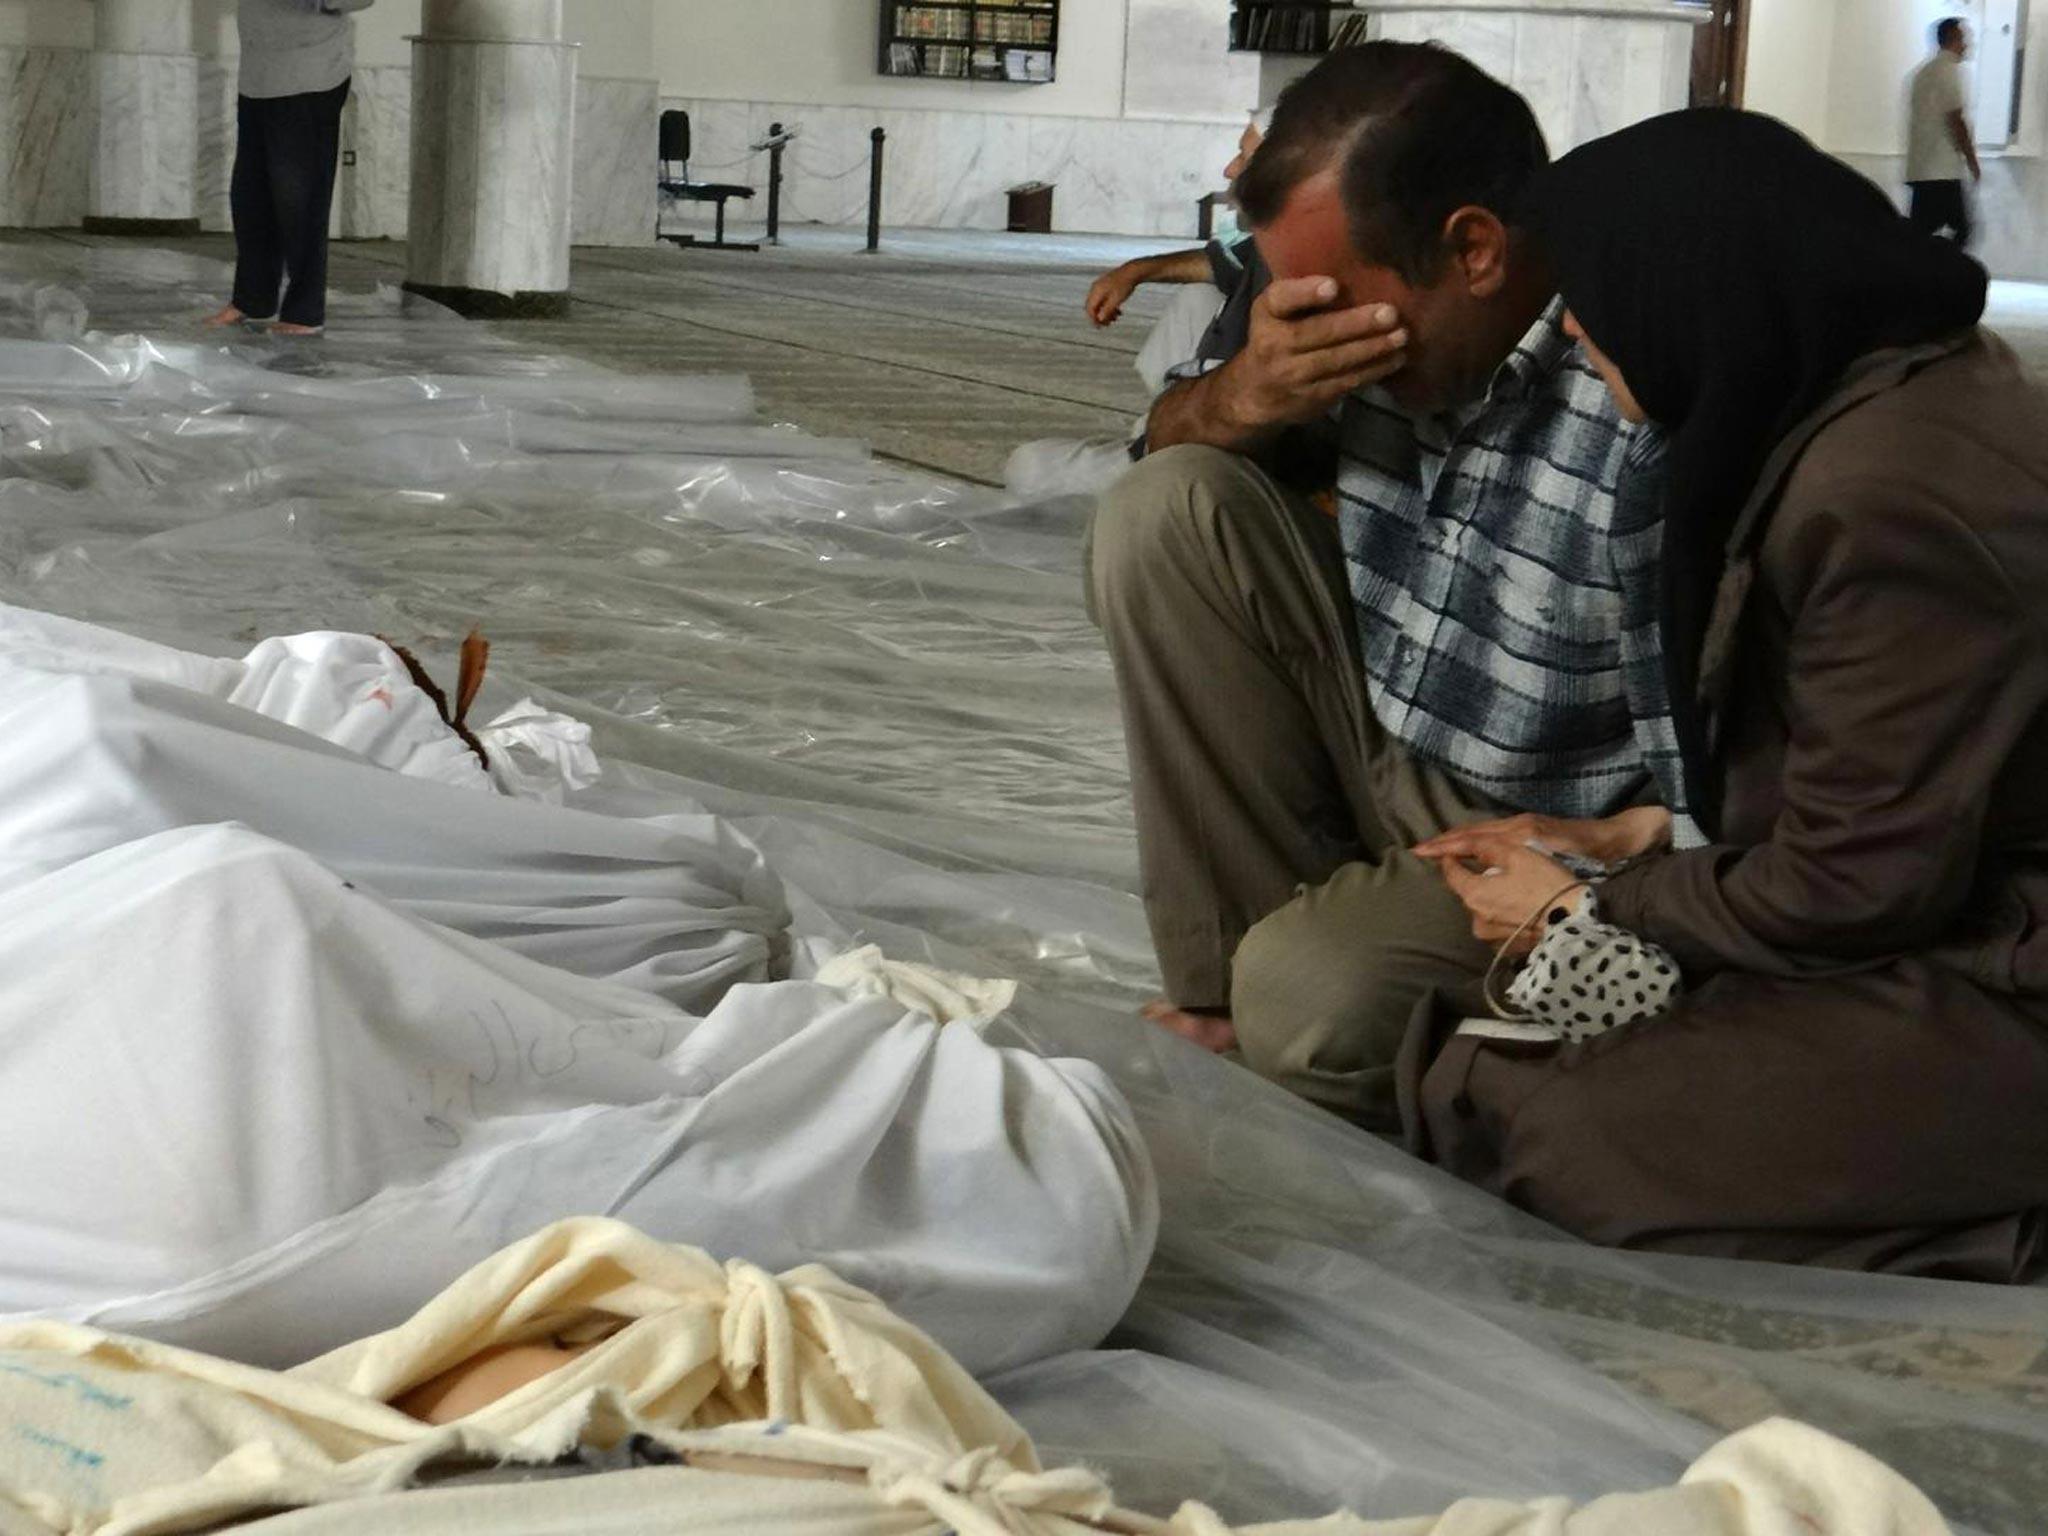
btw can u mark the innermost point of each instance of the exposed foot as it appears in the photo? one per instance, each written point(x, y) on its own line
point(227, 314)
point(292, 328)
point(1211, 1031)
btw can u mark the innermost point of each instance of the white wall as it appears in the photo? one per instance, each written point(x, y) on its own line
point(1838, 70)
point(1878, 44)
point(1178, 63)
point(823, 52)
point(1143, 115)
point(617, 36)
point(381, 32)
point(1791, 57)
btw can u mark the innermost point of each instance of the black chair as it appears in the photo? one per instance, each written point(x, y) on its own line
point(675, 151)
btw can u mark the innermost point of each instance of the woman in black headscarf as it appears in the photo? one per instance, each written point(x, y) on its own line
point(1853, 609)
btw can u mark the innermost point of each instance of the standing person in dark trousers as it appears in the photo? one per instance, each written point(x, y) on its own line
point(297, 57)
point(1941, 146)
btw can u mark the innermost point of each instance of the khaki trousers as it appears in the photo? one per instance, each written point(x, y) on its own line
point(1273, 811)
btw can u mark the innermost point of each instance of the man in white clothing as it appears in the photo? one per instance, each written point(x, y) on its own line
point(1940, 147)
point(297, 57)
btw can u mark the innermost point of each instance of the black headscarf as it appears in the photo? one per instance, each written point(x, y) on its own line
point(1734, 272)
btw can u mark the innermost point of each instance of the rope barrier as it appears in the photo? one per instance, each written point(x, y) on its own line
point(859, 165)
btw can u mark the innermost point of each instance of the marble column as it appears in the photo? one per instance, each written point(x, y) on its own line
point(145, 106)
point(493, 139)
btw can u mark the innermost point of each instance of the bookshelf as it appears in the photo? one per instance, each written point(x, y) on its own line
point(1295, 26)
point(1013, 40)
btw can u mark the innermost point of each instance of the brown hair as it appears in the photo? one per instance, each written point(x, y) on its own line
point(1417, 133)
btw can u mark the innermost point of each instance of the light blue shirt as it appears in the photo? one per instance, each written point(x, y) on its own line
point(295, 47)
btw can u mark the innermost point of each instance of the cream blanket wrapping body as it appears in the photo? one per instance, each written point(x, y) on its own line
point(796, 1403)
point(251, 1108)
point(100, 1432)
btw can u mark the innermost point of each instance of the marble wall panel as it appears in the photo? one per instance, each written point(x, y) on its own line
point(941, 170)
point(143, 26)
point(1106, 180)
point(145, 159)
point(926, 153)
point(216, 143)
point(1656, 68)
point(1583, 75)
point(1599, 65)
point(2011, 209)
point(825, 169)
point(1051, 146)
point(721, 133)
point(613, 183)
point(1544, 72)
point(46, 141)
point(372, 194)
point(614, 195)
point(1009, 164)
point(1486, 38)
point(1196, 157)
point(952, 170)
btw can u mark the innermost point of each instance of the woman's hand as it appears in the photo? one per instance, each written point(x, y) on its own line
point(1508, 888)
point(1609, 840)
point(1110, 292)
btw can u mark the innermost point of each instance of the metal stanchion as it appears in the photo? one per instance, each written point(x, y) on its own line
point(776, 140)
point(877, 139)
point(775, 143)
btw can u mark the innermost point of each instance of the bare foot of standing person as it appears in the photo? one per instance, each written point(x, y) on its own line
point(226, 315)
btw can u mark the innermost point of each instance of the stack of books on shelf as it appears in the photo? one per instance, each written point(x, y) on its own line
point(1278, 28)
point(1353, 30)
point(918, 21)
point(1012, 27)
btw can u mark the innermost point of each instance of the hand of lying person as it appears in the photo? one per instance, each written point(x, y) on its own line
point(1508, 888)
point(1304, 354)
point(1608, 840)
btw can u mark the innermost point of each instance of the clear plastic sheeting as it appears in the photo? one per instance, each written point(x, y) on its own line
point(887, 682)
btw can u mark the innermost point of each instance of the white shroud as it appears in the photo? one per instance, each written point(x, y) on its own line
point(269, 1107)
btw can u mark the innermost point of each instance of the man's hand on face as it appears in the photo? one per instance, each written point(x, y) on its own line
point(1304, 355)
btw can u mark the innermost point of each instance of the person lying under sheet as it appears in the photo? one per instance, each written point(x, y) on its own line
point(257, 1099)
point(728, 1399)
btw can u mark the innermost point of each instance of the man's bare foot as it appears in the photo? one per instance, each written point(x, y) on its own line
point(293, 328)
point(227, 314)
point(1211, 1031)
